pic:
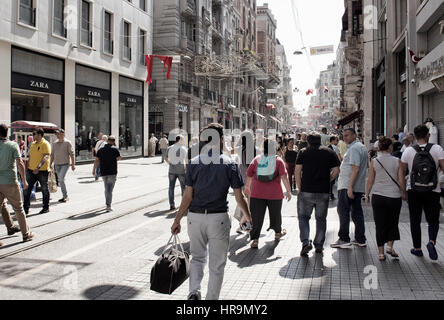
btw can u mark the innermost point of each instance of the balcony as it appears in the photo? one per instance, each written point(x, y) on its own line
point(206, 18)
point(228, 37)
point(187, 8)
point(217, 29)
point(210, 96)
point(185, 87)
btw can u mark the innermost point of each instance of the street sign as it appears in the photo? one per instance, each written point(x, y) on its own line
point(322, 50)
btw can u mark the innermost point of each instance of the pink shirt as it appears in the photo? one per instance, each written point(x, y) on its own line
point(267, 190)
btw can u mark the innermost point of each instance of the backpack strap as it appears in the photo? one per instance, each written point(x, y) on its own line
point(428, 147)
point(417, 148)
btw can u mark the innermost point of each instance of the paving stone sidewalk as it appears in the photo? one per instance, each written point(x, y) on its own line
point(276, 271)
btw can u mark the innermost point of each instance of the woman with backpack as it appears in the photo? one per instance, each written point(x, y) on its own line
point(386, 197)
point(264, 187)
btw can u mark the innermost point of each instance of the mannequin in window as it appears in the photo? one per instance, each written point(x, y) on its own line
point(433, 130)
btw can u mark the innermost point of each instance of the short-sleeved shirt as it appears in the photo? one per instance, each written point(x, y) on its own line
point(176, 156)
point(317, 163)
point(211, 182)
point(36, 152)
point(9, 153)
point(267, 190)
point(409, 154)
point(108, 160)
point(291, 156)
point(356, 155)
point(325, 139)
point(163, 143)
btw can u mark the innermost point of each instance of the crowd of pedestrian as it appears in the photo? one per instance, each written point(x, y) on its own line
point(306, 165)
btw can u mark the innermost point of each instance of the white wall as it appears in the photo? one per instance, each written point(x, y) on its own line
point(5, 83)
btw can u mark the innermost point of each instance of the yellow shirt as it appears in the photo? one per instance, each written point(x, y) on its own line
point(36, 152)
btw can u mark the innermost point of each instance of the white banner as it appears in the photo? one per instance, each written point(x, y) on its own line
point(322, 50)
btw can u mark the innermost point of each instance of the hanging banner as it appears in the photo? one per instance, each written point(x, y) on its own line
point(322, 50)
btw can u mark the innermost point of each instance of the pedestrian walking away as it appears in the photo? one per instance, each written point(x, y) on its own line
point(386, 197)
point(108, 157)
point(10, 161)
point(290, 163)
point(163, 146)
point(424, 162)
point(351, 188)
point(61, 155)
point(208, 221)
point(99, 145)
point(264, 187)
point(38, 169)
point(177, 158)
point(316, 167)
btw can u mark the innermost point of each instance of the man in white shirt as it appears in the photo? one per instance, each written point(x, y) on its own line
point(422, 195)
point(103, 140)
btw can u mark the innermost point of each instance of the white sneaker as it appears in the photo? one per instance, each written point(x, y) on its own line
point(109, 209)
point(341, 245)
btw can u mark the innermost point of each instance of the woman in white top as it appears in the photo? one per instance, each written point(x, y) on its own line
point(386, 197)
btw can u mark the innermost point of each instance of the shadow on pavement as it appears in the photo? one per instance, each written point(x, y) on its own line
point(116, 292)
point(89, 215)
point(248, 257)
point(305, 268)
point(154, 214)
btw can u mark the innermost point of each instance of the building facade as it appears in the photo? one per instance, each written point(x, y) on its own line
point(266, 49)
point(405, 92)
point(78, 64)
point(213, 75)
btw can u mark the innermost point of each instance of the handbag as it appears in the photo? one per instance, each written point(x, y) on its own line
point(52, 182)
point(396, 182)
point(172, 269)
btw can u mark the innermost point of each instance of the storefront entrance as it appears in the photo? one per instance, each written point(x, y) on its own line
point(93, 109)
point(131, 117)
point(35, 106)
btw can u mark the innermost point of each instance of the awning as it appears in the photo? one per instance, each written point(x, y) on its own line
point(31, 125)
point(351, 117)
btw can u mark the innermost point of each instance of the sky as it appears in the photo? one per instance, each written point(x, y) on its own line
point(321, 24)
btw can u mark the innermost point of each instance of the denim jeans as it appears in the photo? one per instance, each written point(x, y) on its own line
point(306, 203)
point(353, 206)
point(31, 178)
point(61, 170)
point(164, 154)
point(173, 179)
point(109, 182)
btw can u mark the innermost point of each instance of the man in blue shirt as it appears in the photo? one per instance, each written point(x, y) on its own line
point(208, 180)
point(351, 187)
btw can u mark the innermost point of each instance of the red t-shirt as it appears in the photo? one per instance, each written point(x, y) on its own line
point(267, 190)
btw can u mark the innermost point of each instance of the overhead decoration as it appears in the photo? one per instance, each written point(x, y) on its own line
point(325, 89)
point(309, 92)
point(167, 62)
point(270, 106)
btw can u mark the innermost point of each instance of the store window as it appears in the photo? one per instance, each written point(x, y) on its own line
point(131, 117)
point(37, 87)
point(93, 109)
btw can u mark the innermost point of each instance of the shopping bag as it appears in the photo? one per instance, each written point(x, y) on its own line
point(52, 182)
point(172, 269)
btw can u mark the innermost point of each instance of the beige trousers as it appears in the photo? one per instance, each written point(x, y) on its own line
point(12, 193)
